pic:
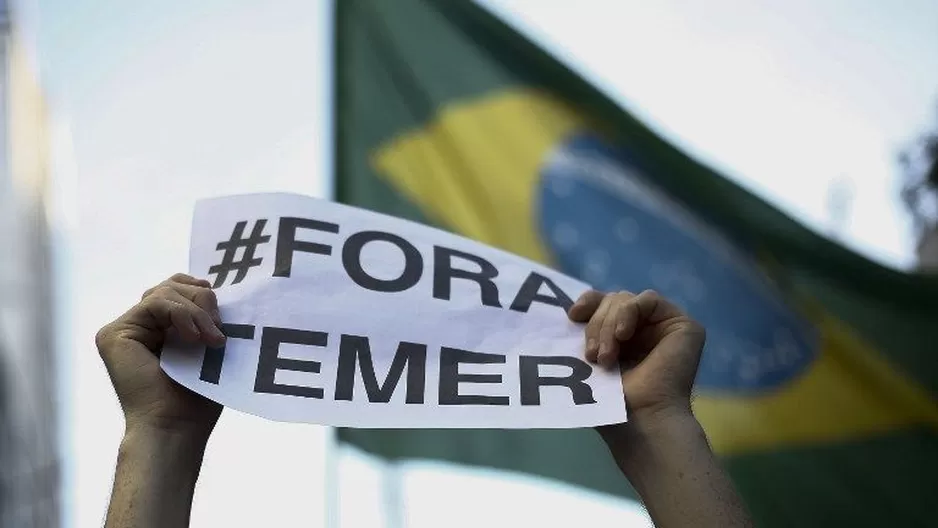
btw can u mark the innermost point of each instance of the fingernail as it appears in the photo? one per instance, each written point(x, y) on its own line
point(603, 351)
point(591, 345)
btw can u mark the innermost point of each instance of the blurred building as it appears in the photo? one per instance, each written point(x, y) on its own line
point(29, 466)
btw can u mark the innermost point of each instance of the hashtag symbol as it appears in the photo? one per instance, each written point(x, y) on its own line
point(230, 247)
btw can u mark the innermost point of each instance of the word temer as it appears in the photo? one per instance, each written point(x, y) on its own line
point(355, 357)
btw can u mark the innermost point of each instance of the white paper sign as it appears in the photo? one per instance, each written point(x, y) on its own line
point(340, 316)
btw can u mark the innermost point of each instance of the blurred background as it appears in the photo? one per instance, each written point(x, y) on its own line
point(119, 114)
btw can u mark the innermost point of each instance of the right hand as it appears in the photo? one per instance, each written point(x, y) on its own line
point(130, 347)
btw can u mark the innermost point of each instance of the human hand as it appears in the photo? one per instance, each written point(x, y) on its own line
point(656, 346)
point(662, 449)
point(130, 347)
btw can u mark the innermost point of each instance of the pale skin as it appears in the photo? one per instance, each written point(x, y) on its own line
point(661, 450)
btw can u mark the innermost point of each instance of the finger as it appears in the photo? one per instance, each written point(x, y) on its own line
point(628, 317)
point(585, 306)
point(175, 280)
point(170, 314)
point(208, 331)
point(593, 328)
point(632, 321)
point(169, 309)
point(183, 322)
point(674, 341)
point(657, 309)
point(619, 309)
point(182, 278)
point(203, 297)
point(197, 292)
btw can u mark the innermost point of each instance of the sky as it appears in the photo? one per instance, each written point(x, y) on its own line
point(156, 104)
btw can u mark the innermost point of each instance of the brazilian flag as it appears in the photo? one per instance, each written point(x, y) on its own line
point(819, 378)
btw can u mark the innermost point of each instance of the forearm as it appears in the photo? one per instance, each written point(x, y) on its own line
point(680, 481)
point(155, 479)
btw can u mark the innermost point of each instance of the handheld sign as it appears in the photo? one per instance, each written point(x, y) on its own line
point(340, 316)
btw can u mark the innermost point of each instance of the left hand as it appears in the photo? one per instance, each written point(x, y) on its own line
point(130, 345)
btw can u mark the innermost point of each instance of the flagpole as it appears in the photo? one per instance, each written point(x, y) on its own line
point(333, 499)
point(392, 493)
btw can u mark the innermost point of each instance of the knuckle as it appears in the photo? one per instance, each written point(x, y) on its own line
point(103, 337)
point(589, 297)
point(594, 326)
point(206, 297)
point(181, 277)
point(163, 291)
point(651, 294)
point(148, 301)
point(153, 303)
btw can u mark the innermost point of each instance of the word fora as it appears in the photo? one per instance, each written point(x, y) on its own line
point(355, 357)
point(444, 266)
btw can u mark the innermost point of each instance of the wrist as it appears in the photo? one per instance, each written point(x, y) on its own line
point(155, 479)
point(648, 436)
point(185, 447)
point(196, 434)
